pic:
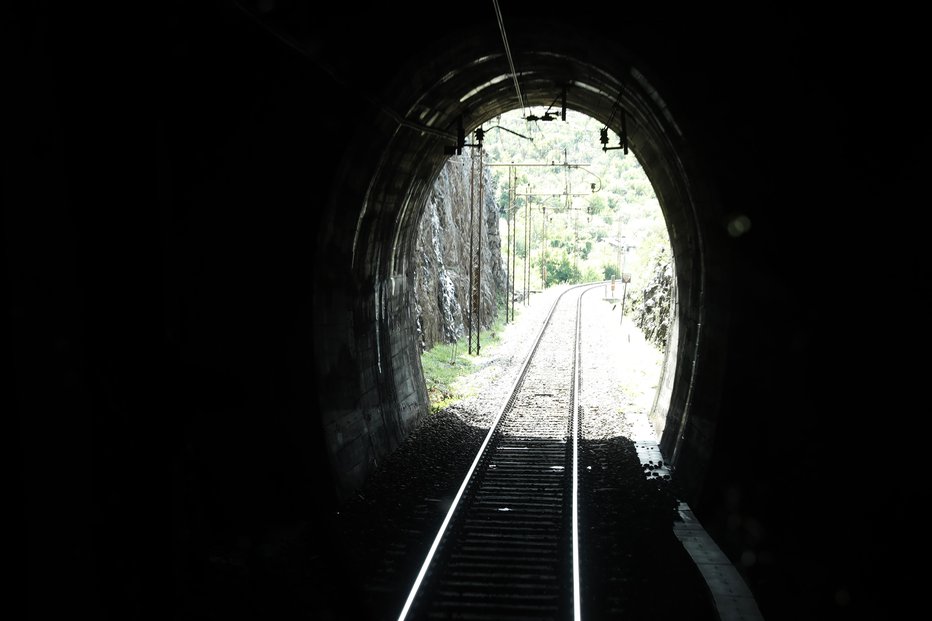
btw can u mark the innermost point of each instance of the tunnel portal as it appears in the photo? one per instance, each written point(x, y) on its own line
point(465, 87)
point(211, 260)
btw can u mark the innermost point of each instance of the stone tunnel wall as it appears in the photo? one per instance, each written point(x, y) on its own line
point(375, 393)
point(387, 394)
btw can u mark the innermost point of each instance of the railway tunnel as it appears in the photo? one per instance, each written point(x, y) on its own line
point(209, 268)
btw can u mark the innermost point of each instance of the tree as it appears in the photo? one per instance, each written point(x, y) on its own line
point(560, 270)
point(610, 198)
point(596, 205)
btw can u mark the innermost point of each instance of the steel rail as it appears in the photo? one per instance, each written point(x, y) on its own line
point(495, 426)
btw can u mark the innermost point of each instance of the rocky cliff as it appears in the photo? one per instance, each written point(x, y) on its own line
point(652, 305)
point(441, 279)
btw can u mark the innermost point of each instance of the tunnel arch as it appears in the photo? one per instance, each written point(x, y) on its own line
point(166, 290)
point(367, 356)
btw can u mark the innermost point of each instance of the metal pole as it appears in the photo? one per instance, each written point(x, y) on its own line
point(624, 288)
point(508, 281)
point(514, 243)
point(514, 267)
point(621, 242)
point(527, 247)
point(479, 260)
point(568, 190)
point(543, 249)
point(472, 171)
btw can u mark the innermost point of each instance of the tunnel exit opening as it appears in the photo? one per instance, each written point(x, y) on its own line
point(568, 209)
point(438, 102)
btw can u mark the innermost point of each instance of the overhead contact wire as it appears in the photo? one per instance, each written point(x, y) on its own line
point(511, 62)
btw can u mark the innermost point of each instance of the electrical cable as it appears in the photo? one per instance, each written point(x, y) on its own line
point(512, 132)
point(511, 62)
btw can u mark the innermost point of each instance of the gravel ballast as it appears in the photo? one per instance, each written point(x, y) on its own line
point(633, 565)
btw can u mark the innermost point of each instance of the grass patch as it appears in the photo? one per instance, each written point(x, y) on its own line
point(445, 363)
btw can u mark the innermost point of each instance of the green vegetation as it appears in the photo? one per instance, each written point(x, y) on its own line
point(445, 363)
point(598, 211)
point(580, 214)
point(590, 221)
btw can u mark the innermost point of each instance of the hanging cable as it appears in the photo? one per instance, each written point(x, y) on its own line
point(547, 116)
point(511, 63)
point(616, 105)
point(623, 136)
point(512, 132)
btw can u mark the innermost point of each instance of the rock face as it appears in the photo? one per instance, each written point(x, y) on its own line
point(653, 303)
point(441, 263)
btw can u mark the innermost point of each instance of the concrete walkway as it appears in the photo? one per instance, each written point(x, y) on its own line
point(731, 596)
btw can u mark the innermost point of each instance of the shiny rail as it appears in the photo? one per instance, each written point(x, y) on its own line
point(506, 547)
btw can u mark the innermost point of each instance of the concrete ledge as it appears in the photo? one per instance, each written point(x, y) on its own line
point(733, 600)
point(732, 597)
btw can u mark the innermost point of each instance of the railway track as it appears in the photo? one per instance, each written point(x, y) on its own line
point(508, 546)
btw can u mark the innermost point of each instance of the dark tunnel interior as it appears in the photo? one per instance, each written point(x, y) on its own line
point(207, 232)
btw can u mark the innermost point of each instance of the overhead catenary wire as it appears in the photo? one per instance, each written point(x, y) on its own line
point(623, 137)
point(511, 131)
point(616, 106)
point(511, 62)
